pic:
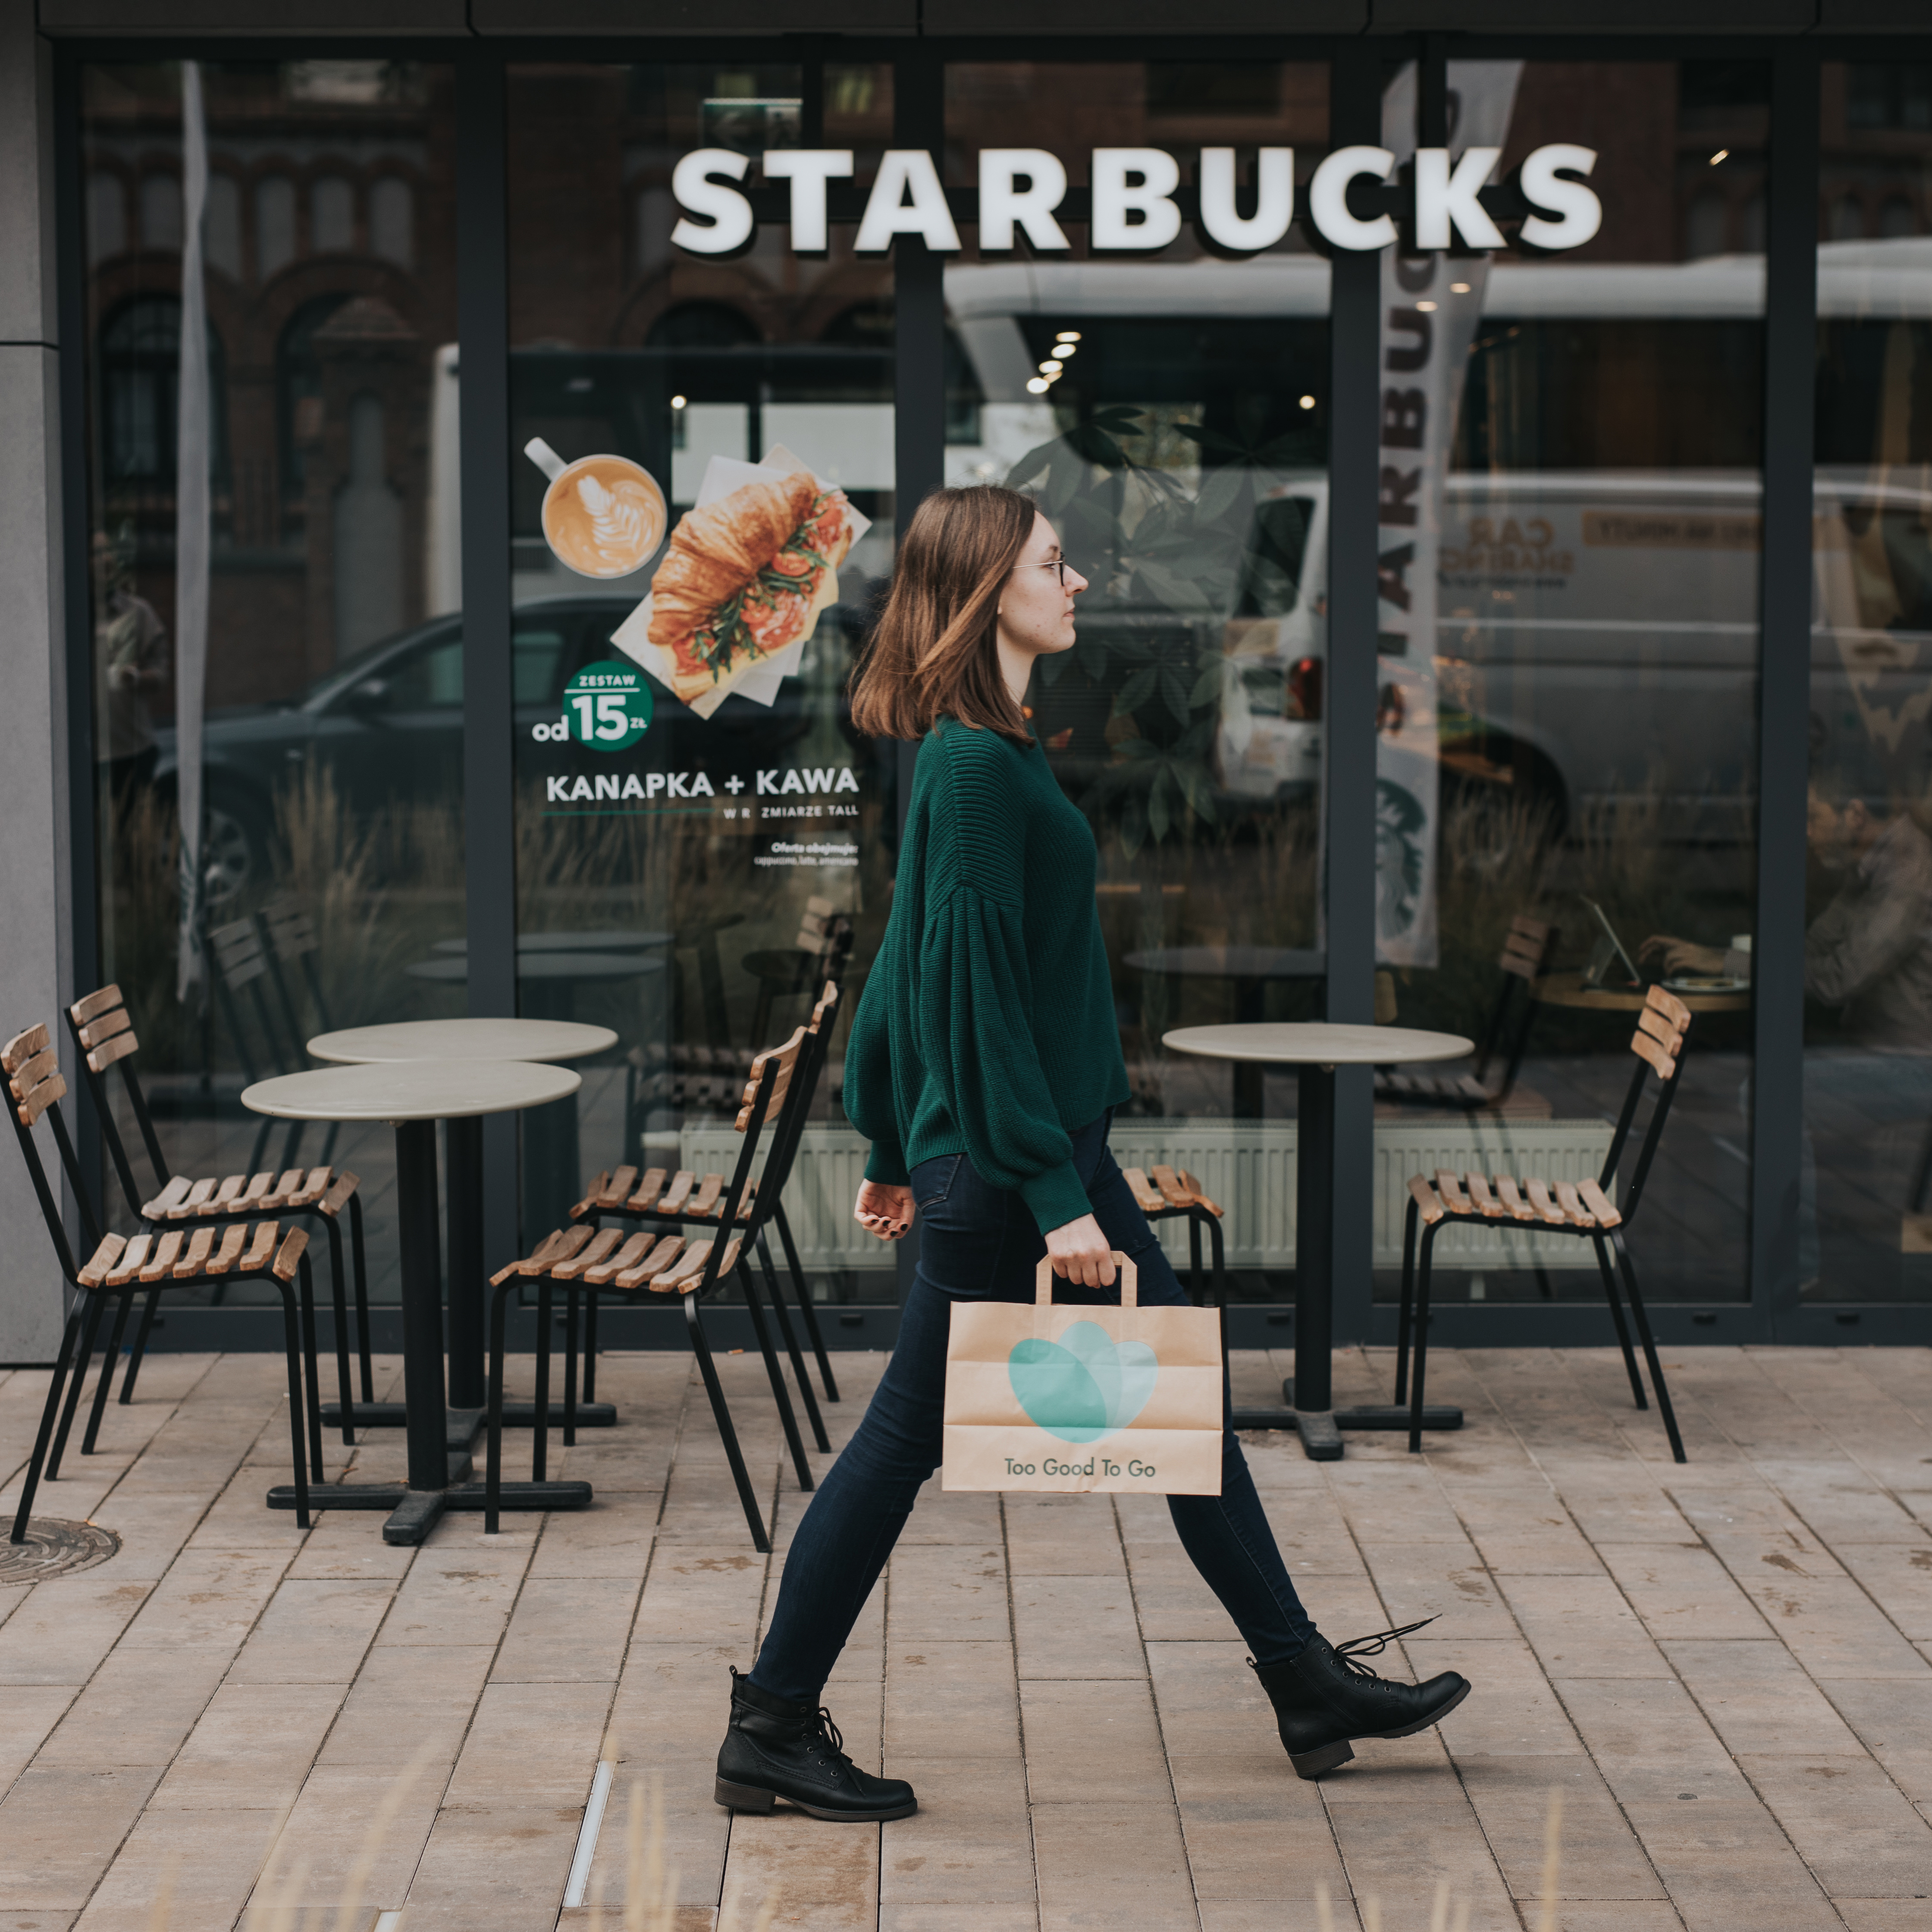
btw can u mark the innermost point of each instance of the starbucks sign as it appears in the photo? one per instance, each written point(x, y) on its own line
point(1133, 208)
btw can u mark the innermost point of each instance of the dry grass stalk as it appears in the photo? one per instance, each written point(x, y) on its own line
point(1553, 1860)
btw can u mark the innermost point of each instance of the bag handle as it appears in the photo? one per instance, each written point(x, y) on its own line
point(1042, 1286)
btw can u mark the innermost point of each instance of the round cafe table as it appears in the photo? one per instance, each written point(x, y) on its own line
point(1315, 1048)
point(1251, 968)
point(547, 984)
point(413, 1096)
point(1567, 989)
point(463, 1040)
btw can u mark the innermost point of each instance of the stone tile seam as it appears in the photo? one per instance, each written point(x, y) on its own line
point(1153, 1698)
point(1019, 1703)
point(173, 1407)
point(1449, 1757)
point(1695, 1702)
point(1502, 1597)
point(120, 1842)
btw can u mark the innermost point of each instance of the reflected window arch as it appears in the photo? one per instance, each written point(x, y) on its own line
point(299, 390)
point(1847, 218)
point(703, 324)
point(139, 365)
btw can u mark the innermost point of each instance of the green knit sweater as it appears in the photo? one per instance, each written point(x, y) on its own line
point(987, 1025)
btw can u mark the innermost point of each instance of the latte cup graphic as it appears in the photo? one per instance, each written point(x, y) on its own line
point(603, 516)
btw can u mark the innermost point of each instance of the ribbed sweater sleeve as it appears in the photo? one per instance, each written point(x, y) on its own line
point(869, 1094)
point(974, 1023)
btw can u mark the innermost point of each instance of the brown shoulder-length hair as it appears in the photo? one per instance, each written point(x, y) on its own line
point(933, 652)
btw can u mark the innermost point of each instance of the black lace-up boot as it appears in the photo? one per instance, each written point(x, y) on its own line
point(776, 1750)
point(1326, 1696)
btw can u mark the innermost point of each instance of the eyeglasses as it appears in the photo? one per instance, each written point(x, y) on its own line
point(1058, 563)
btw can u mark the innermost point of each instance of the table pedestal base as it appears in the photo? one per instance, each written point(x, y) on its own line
point(413, 1513)
point(1320, 1430)
point(464, 1423)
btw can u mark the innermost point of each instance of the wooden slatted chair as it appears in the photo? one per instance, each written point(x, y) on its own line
point(659, 1198)
point(704, 1076)
point(242, 969)
point(104, 1031)
point(1168, 1193)
point(290, 939)
point(1526, 955)
point(605, 1262)
point(1585, 1211)
point(119, 1268)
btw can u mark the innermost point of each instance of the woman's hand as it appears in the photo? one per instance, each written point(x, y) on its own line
point(1080, 1253)
point(884, 1211)
point(1682, 956)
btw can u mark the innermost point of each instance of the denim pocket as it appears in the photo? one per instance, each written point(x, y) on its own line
point(932, 1180)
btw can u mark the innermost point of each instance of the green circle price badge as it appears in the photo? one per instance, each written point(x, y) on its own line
point(606, 705)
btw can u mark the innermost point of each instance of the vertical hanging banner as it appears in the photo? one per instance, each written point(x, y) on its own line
point(191, 536)
point(1432, 302)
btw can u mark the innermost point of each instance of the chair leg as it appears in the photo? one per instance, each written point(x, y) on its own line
point(1664, 1409)
point(293, 1345)
point(138, 1354)
point(493, 1465)
point(1428, 1235)
point(787, 1421)
point(804, 1295)
point(311, 1368)
point(1217, 1262)
point(70, 1336)
point(820, 1440)
point(570, 1366)
point(701, 1349)
point(88, 1329)
point(1610, 1295)
point(540, 1420)
point(1402, 1314)
point(358, 1266)
point(339, 1302)
point(109, 1357)
point(590, 1346)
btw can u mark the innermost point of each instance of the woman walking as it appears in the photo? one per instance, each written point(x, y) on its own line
point(984, 1067)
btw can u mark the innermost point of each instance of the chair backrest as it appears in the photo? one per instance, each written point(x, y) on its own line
point(773, 1073)
point(1662, 1027)
point(34, 1090)
point(790, 1130)
point(1526, 954)
point(242, 963)
point(104, 1031)
point(292, 938)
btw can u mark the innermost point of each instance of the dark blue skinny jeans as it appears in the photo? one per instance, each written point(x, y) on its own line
point(981, 1243)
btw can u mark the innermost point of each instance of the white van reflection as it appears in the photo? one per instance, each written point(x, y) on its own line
point(1598, 629)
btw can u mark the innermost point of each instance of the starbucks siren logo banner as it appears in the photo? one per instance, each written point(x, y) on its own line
point(1432, 302)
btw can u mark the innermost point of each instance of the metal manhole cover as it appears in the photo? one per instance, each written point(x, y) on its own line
point(55, 1547)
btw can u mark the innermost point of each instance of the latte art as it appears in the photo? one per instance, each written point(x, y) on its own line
point(604, 517)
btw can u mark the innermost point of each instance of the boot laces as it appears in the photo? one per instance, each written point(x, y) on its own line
point(1359, 1647)
point(826, 1736)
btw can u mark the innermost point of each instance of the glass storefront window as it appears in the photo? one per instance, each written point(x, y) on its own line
point(1170, 410)
point(1570, 644)
point(332, 671)
point(666, 868)
point(1866, 1178)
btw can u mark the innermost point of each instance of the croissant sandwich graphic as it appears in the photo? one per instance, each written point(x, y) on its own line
point(741, 577)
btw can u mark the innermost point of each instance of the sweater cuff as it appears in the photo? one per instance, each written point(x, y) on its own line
point(885, 1165)
point(1056, 1197)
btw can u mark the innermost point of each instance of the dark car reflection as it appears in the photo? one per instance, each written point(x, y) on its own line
point(386, 729)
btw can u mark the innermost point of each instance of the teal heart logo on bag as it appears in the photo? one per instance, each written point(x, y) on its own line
point(1084, 1387)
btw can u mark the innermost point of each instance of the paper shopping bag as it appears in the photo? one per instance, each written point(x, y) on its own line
point(1064, 1398)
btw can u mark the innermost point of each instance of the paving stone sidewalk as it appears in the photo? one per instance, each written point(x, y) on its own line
point(1725, 1670)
